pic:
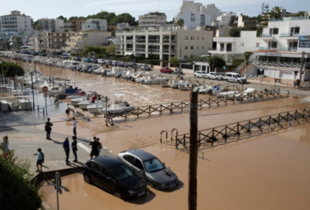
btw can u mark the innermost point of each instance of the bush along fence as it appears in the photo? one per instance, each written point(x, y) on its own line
point(245, 129)
point(144, 112)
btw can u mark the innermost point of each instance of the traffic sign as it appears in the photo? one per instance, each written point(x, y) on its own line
point(45, 89)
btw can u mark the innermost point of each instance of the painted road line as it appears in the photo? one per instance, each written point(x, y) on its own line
point(27, 145)
point(84, 147)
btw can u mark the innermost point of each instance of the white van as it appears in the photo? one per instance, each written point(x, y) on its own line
point(234, 77)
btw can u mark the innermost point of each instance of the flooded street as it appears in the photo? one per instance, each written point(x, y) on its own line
point(270, 171)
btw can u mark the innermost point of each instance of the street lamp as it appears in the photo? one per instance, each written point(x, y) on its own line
point(31, 73)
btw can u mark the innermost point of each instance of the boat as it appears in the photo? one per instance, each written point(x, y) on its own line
point(99, 70)
point(185, 85)
point(119, 107)
point(154, 80)
point(247, 92)
point(227, 94)
point(95, 108)
point(203, 89)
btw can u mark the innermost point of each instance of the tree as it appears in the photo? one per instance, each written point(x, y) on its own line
point(110, 49)
point(16, 189)
point(63, 18)
point(247, 56)
point(17, 42)
point(232, 20)
point(179, 23)
point(216, 61)
point(235, 32)
point(174, 61)
point(10, 69)
point(275, 13)
point(299, 14)
point(38, 26)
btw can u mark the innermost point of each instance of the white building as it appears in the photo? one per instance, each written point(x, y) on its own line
point(195, 14)
point(234, 47)
point(164, 43)
point(152, 19)
point(283, 42)
point(122, 26)
point(15, 24)
point(52, 24)
point(95, 24)
point(223, 19)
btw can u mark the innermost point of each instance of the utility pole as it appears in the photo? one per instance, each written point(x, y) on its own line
point(193, 151)
point(302, 60)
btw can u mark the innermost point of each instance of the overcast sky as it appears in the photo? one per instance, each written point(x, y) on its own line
point(51, 9)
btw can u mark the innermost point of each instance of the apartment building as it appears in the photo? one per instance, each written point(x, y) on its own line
point(74, 25)
point(95, 24)
point(195, 14)
point(282, 45)
point(52, 25)
point(79, 41)
point(54, 41)
point(234, 47)
point(223, 19)
point(152, 19)
point(15, 24)
point(163, 43)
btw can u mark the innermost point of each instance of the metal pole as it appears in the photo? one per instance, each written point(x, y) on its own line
point(32, 91)
point(193, 151)
point(301, 66)
point(45, 102)
point(106, 110)
point(57, 186)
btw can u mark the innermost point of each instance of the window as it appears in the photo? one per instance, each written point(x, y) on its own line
point(96, 34)
point(241, 44)
point(185, 57)
point(60, 40)
point(95, 166)
point(202, 38)
point(272, 44)
point(193, 17)
point(197, 37)
point(228, 47)
point(273, 31)
point(60, 34)
point(192, 47)
point(105, 172)
point(221, 47)
point(294, 31)
point(67, 34)
point(185, 47)
point(257, 44)
point(202, 47)
point(186, 37)
point(197, 47)
point(91, 40)
point(192, 37)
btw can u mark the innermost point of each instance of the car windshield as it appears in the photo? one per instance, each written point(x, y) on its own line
point(217, 74)
point(238, 76)
point(153, 165)
point(121, 172)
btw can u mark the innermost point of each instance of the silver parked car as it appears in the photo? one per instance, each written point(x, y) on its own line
point(150, 168)
point(200, 74)
point(214, 75)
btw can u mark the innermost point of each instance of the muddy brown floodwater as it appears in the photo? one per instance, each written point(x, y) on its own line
point(265, 172)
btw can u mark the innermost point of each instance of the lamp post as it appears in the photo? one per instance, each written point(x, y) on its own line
point(31, 73)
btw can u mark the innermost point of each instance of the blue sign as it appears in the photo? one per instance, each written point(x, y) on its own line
point(295, 72)
point(224, 67)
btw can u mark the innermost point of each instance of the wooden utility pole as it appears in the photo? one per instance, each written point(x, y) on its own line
point(193, 151)
point(301, 67)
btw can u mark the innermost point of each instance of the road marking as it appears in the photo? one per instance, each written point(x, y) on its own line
point(28, 145)
point(84, 147)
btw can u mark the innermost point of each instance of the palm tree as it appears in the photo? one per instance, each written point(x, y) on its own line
point(275, 13)
point(179, 23)
point(17, 42)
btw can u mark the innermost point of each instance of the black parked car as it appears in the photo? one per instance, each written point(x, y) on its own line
point(114, 176)
point(150, 168)
point(77, 58)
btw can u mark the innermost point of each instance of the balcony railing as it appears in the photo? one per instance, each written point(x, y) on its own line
point(140, 49)
point(154, 40)
point(140, 40)
point(288, 34)
point(129, 41)
point(173, 51)
point(287, 48)
point(129, 49)
point(266, 35)
point(165, 50)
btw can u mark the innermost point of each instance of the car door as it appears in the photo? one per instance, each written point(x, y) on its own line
point(96, 173)
point(106, 180)
point(135, 164)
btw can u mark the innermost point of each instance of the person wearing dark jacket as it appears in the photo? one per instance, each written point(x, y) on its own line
point(48, 128)
point(74, 148)
point(66, 147)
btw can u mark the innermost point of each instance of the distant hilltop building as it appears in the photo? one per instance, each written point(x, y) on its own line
point(51, 24)
point(152, 19)
point(95, 24)
point(195, 14)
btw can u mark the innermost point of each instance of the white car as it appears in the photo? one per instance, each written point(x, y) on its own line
point(214, 75)
point(200, 74)
point(101, 61)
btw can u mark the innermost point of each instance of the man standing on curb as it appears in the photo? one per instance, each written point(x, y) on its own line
point(74, 126)
point(74, 148)
point(48, 129)
point(66, 147)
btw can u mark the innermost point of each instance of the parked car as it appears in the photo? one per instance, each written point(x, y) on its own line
point(77, 58)
point(110, 62)
point(200, 74)
point(87, 60)
point(178, 72)
point(215, 75)
point(150, 168)
point(101, 61)
point(166, 70)
point(121, 64)
point(145, 67)
point(65, 57)
point(93, 60)
point(132, 64)
point(234, 77)
point(114, 176)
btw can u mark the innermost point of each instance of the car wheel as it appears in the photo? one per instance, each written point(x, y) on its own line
point(227, 80)
point(238, 81)
point(87, 178)
point(149, 183)
point(117, 194)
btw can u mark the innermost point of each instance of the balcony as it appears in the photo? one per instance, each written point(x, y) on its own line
point(287, 48)
point(154, 40)
point(165, 50)
point(288, 34)
point(129, 49)
point(129, 41)
point(140, 49)
point(140, 40)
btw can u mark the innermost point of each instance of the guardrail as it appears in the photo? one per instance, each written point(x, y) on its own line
point(245, 129)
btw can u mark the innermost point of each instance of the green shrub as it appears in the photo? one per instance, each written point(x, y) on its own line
point(16, 190)
point(237, 62)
